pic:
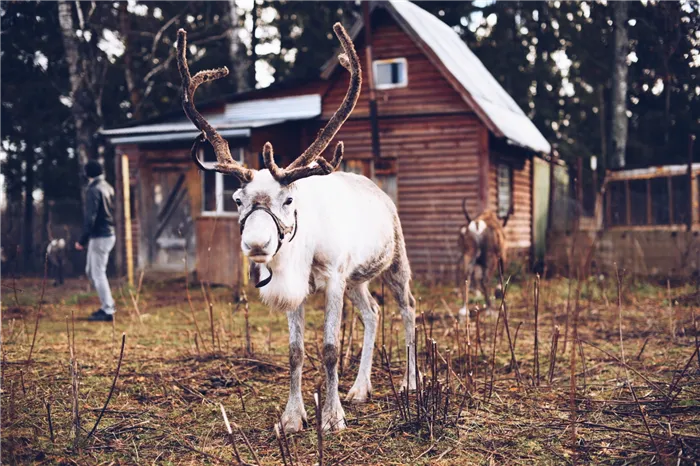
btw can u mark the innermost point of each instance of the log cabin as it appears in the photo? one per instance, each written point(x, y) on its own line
point(432, 127)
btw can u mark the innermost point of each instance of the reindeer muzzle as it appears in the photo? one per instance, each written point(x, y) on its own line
point(282, 231)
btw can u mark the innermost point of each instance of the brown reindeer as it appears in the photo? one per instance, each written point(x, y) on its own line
point(483, 247)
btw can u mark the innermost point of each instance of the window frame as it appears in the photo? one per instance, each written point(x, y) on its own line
point(218, 188)
point(404, 76)
point(510, 208)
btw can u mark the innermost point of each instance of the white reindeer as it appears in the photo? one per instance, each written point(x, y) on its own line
point(332, 233)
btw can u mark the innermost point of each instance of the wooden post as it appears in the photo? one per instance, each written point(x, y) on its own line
point(579, 192)
point(127, 220)
point(691, 205)
point(628, 203)
point(373, 118)
point(552, 194)
point(650, 219)
point(245, 271)
point(671, 219)
point(608, 207)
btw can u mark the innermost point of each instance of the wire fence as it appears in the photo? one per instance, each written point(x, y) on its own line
point(62, 219)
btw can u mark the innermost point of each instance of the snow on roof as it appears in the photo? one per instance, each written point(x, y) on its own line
point(236, 116)
point(498, 106)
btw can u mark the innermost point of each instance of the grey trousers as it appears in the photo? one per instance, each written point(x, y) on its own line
point(96, 269)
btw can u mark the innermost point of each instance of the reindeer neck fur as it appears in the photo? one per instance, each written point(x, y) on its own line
point(346, 231)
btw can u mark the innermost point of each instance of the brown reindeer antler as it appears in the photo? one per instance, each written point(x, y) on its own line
point(225, 163)
point(464, 208)
point(310, 162)
point(320, 166)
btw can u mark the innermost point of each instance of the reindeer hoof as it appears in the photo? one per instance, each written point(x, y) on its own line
point(333, 418)
point(293, 419)
point(359, 393)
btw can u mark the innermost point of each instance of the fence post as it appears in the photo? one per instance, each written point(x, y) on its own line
point(127, 219)
point(692, 203)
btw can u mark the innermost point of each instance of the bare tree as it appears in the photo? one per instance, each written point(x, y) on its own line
point(619, 86)
point(240, 62)
point(84, 128)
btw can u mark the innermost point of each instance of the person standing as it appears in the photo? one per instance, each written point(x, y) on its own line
point(98, 236)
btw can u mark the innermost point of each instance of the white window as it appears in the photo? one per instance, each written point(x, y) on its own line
point(217, 188)
point(504, 175)
point(389, 74)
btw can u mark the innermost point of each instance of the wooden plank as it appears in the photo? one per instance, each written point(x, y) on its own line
point(484, 168)
point(691, 201)
point(218, 251)
point(671, 218)
point(649, 209)
point(628, 203)
point(171, 197)
point(127, 219)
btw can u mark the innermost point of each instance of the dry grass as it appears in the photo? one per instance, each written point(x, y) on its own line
point(638, 407)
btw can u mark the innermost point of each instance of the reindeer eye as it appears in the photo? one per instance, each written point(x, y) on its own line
point(238, 202)
point(288, 201)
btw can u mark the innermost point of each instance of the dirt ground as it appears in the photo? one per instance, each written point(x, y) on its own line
point(634, 399)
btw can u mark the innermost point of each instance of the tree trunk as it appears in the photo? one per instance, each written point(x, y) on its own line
point(134, 91)
point(240, 63)
point(28, 224)
point(253, 43)
point(619, 86)
point(85, 126)
point(540, 67)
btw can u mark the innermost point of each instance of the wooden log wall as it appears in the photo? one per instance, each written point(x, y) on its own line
point(519, 228)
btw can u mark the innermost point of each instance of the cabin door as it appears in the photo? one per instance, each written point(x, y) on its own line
point(172, 230)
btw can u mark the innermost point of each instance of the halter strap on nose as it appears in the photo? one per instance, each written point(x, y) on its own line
point(282, 231)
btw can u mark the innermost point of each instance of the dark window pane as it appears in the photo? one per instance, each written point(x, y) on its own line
point(395, 73)
point(681, 199)
point(618, 206)
point(209, 155)
point(504, 179)
point(589, 193)
point(231, 185)
point(638, 202)
point(659, 201)
point(209, 195)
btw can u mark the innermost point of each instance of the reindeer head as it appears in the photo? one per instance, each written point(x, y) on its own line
point(268, 214)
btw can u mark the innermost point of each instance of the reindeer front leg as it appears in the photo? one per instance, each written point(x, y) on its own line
point(294, 416)
point(333, 416)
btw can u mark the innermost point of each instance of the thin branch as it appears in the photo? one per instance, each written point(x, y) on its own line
point(111, 390)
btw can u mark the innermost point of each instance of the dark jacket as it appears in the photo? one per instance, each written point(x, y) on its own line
point(99, 210)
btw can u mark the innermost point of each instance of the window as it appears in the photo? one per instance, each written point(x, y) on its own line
point(390, 74)
point(504, 179)
point(353, 166)
point(217, 188)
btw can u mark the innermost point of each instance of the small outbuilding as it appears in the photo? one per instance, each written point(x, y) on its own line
point(432, 127)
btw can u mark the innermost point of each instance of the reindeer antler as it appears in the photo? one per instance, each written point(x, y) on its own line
point(225, 163)
point(320, 166)
point(304, 165)
point(464, 208)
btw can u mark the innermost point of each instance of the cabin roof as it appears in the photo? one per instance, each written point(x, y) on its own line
point(236, 120)
point(465, 72)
